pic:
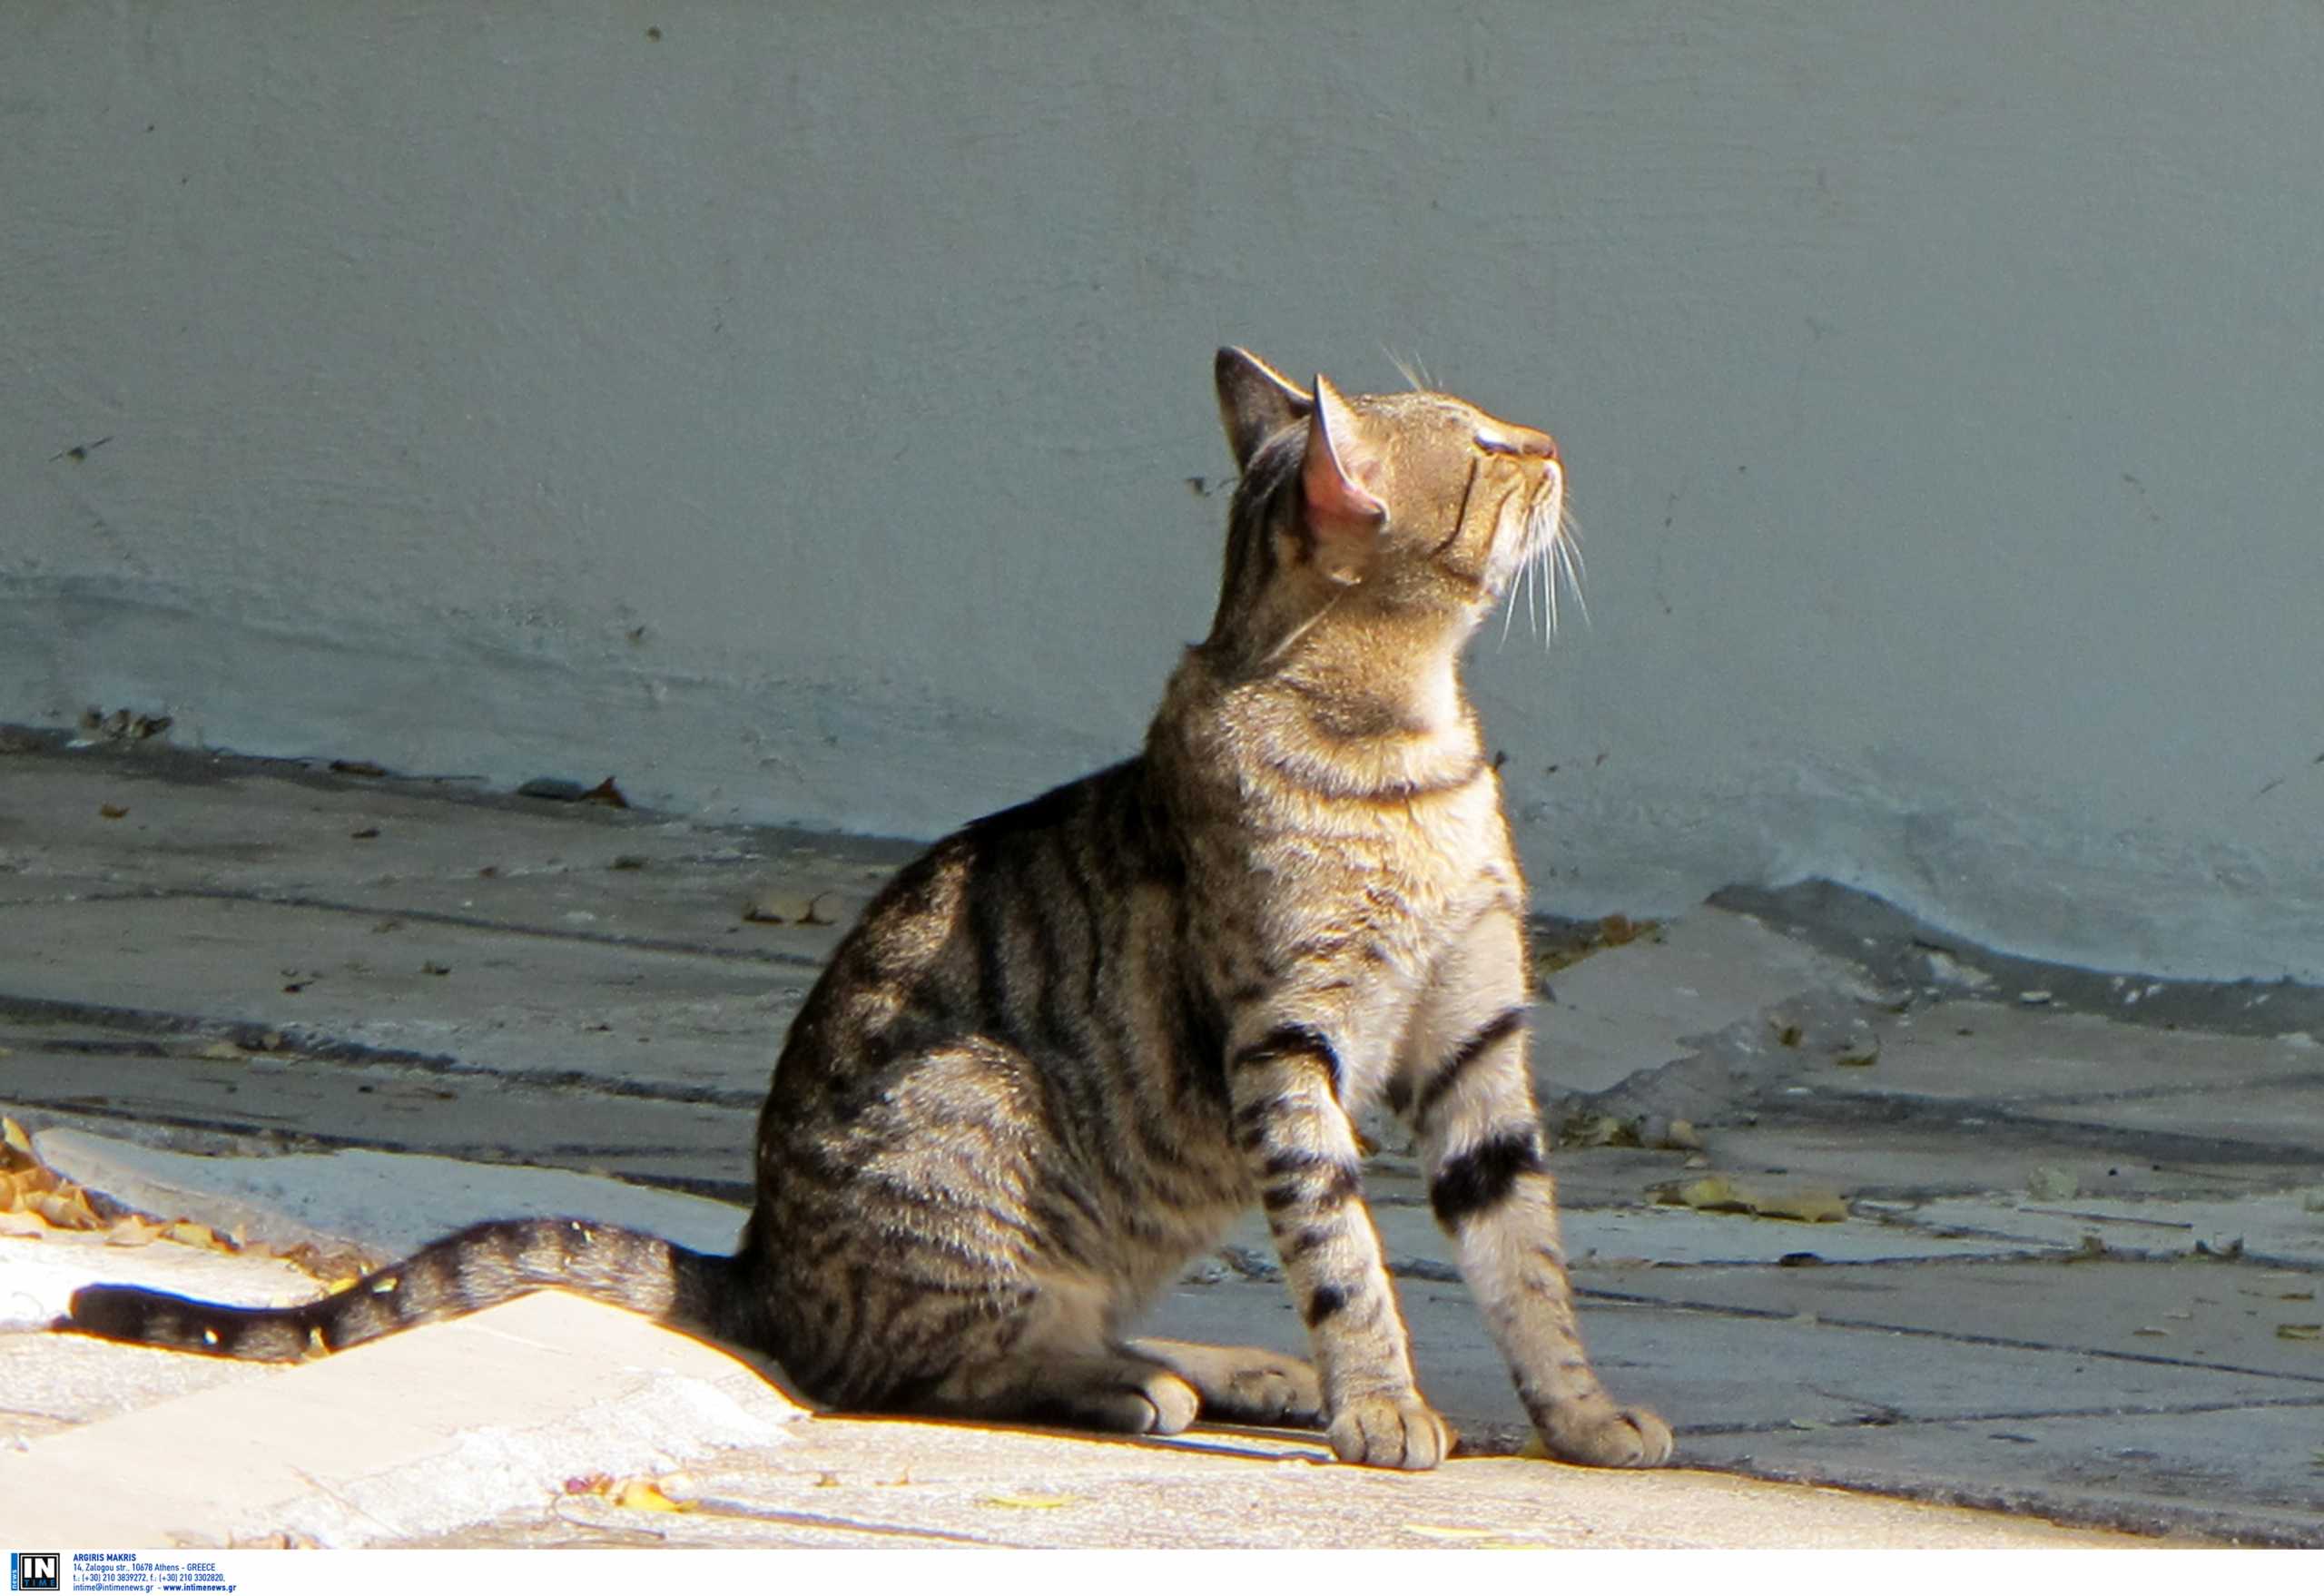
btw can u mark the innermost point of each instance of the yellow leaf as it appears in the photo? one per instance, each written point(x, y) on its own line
point(1027, 1499)
point(1719, 1194)
point(643, 1497)
point(1482, 1540)
point(14, 1134)
point(67, 1211)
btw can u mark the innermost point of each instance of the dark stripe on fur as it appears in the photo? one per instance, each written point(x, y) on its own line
point(1481, 1041)
point(1325, 1301)
point(1341, 1184)
point(1288, 1040)
point(1481, 1178)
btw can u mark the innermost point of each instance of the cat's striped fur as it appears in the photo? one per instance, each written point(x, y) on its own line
point(1067, 1046)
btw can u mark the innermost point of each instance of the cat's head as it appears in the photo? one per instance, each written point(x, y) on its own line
point(1418, 503)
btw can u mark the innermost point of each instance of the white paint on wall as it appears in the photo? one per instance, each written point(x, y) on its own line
point(793, 414)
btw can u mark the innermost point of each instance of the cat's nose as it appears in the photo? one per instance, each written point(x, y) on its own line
point(1506, 439)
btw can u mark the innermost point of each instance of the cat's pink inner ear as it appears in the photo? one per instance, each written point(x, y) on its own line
point(1340, 466)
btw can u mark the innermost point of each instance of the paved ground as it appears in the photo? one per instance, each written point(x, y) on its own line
point(2055, 1247)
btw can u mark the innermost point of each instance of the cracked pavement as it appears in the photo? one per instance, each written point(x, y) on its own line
point(2076, 1276)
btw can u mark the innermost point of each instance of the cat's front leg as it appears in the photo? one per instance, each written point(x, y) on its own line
point(1464, 1086)
point(1301, 1150)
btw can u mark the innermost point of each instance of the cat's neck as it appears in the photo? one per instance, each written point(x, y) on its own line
point(1375, 674)
point(1364, 701)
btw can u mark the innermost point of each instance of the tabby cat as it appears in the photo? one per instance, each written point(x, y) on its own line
point(1066, 1046)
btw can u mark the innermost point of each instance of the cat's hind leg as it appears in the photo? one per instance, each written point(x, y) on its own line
point(1244, 1384)
point(1053, 1362)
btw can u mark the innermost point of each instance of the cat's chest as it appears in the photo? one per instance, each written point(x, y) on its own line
point(1403, 875)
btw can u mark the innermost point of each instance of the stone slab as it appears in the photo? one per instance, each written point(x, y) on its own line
point(1709, 1370)
point(39, 1274)
point(384, 1204)
point(427, 1431)
point(1860, 1159)
point(201, 1093)
point(528, 1007)
point(379, 843)
point(2281, 1227)
point(2245, 1474)
point(52, 1383)
point(869, 1485)
point(2015, 1055)
point(2191, 1313)
point(1642, 1004)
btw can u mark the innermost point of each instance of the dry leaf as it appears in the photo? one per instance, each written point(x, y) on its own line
point(1482, 1540)
point(643, 1497)
point(67, 1210)
point(112, 810)
point(777, 906)
point(14, 1134)
point(2300, 1332)
point(1721, 1193)
point(1027, 1499)
point(224, 1051)
point(1600, 1131)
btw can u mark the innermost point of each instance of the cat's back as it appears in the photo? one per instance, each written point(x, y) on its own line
point(1043, 929)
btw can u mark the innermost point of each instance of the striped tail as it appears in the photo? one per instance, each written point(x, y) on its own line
point(478, 1267)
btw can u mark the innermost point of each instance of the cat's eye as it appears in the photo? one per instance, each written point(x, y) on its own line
point(1517, 440)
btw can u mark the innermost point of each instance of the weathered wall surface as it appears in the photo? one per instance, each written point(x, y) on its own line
point(794, 413)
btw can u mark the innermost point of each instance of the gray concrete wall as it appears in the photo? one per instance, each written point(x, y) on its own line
point(793, 414)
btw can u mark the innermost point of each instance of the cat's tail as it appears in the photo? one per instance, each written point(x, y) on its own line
point(476, 1268)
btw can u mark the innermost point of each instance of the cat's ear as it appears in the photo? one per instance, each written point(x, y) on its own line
point(1256, 401)
point(1335, 480)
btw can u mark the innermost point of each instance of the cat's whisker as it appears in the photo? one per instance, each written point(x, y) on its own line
point(1570, 534)
point(1525, 580)
point(1570, 560)
point(1412, 370)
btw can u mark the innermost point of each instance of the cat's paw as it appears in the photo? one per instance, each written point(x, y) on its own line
point(1281, 1391)
point(1391, 1433)
point(1608, 1438)
point(1168, 1405)
point(1244, 1384)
